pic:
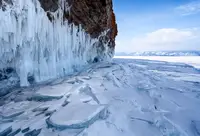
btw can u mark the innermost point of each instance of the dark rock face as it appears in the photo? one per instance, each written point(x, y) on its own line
point(94, 16)
point(49, 5)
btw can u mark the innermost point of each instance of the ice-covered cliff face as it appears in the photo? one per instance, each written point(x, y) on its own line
point(45, 44)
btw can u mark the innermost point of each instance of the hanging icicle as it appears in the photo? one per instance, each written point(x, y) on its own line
point(33, 45)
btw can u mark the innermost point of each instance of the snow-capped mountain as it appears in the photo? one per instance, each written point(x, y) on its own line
point(160, 53)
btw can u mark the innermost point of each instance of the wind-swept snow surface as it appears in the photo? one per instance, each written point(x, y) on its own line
point(125, 98)
point(36, 47)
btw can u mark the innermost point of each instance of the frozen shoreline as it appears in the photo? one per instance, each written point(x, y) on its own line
point(122, 98)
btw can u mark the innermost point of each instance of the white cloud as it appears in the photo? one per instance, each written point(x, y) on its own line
point(190, 8)
point(164, 36)
point(164, 39)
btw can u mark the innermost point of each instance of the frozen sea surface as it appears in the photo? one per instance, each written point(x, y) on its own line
point(128, 97)
point(191, 60)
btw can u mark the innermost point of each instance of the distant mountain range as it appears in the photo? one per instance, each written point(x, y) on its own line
point(160, 53)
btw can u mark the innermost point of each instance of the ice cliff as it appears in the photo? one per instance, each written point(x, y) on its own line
point(47, 39)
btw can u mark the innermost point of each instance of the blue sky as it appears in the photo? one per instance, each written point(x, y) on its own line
point(157, 25)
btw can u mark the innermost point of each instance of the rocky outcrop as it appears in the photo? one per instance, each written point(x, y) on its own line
point(48, 39)
point(94, 16)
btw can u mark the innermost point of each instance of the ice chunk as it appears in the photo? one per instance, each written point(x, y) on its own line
point(14, 132)
point(34, 132)
point(12, 110)
point(40, 109)
point(25, 130)
point(12, 114)
point(52, 92)
point(75, 116)
point(5, 129)
point(88, 91)
point(196, 127)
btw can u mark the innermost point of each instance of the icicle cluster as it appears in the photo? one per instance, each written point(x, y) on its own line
point(33, 45)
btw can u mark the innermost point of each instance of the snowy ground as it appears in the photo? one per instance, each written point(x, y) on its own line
point(128, 97)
